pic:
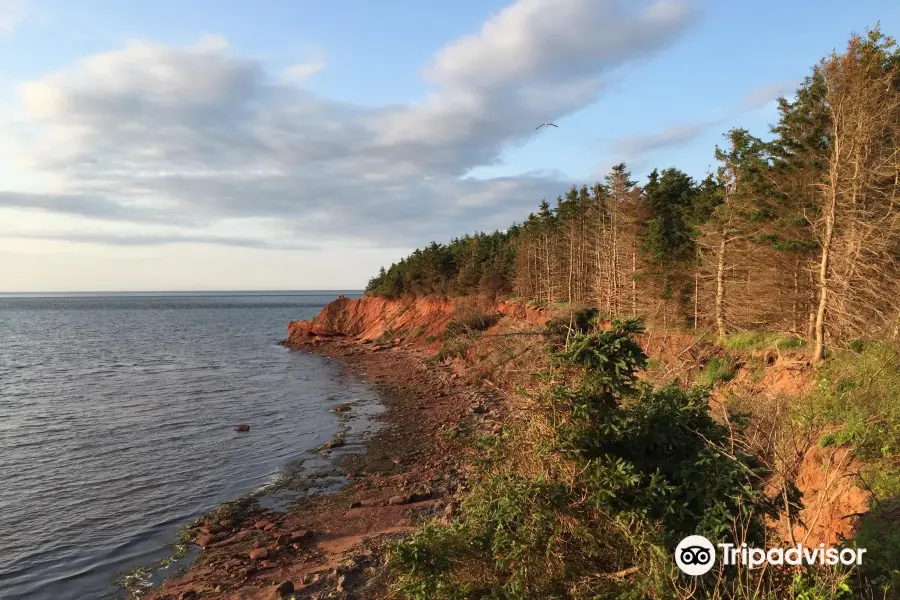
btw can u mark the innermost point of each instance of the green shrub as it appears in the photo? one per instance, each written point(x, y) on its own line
point(626, 472)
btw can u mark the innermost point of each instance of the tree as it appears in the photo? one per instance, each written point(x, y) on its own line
point(858, 220)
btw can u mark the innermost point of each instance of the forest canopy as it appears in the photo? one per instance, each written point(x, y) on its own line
point(799, 232)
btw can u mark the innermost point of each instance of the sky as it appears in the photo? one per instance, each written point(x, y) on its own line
point(298, 144)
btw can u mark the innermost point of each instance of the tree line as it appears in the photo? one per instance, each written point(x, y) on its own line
point(798, 233)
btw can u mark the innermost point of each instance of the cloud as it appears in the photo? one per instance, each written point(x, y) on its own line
point(638, 146)
point(12, 14)
point(677, 135)
point(191, 136)
point(303, 71)
point(764, 94)
point(154, 240)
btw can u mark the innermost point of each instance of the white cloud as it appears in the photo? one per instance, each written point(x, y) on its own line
point(184, 138)
point(303, 71)
point(12, 15)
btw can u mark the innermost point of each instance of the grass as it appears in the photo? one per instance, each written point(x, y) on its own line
point(856, 400)
point(857, 396)
point(760, 340)
point(717, 370)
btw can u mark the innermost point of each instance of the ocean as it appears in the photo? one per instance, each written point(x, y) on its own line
point(117, 416)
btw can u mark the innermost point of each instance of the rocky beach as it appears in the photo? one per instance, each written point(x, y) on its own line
point(327, 545)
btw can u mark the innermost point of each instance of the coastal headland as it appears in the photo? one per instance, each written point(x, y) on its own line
point(437, 390)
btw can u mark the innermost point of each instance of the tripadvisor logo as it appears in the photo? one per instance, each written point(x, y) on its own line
point(695, 555)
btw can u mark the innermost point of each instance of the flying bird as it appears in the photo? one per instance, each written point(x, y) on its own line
point(547, 125)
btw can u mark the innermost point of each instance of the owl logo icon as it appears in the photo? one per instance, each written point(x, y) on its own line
point(695, 555)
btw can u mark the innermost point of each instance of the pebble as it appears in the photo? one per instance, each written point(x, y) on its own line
point(301, 535)
point(397, 500)
point(259, 553)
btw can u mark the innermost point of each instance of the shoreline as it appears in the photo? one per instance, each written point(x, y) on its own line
point(406, 472)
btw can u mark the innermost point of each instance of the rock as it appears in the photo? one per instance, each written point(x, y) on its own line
point(262, 524)
point(479, 410)
point(259, 553)
point(228, 523)
point(187, 595)
point(283, 540)
point(396, 340)
point(283, 589)
point(397, 500)
point(204, 540)
point(269, 527)
point(355, 504)
point(251, 571)
point(301, 535)
point(243, 427)
point(420, 497)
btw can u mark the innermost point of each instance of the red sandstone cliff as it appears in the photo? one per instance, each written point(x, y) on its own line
point(370, 317)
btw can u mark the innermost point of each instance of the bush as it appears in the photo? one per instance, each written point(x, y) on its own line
point(619, 473)
point(469, 321)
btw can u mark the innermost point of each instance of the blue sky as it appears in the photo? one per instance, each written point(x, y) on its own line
point(304, 143)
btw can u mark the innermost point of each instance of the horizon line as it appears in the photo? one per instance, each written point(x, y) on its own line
point(208, 291)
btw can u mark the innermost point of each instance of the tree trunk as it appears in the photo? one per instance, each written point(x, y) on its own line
point(819, 351)
point(633, 283)
point(696, 297)
point(720, 286)
point(795, 326)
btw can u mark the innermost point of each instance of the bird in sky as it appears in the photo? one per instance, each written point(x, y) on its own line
point(547, 125)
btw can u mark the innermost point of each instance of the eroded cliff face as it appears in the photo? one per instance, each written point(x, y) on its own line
point(371, 317)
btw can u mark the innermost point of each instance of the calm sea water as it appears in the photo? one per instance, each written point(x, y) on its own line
point(116, 424)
